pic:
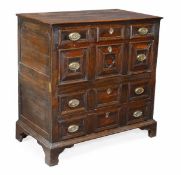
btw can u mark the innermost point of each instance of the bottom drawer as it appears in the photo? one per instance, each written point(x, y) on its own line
point(73, 128)
point(106, 119)
point(139, 111)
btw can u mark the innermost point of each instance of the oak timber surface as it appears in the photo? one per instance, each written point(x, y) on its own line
point(84, 75)
point(86, 16)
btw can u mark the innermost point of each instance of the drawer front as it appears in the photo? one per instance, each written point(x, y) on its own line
point(109, 60)
point(73, 65)
point(107, 95)
point(140, 89)
point(107, 119)
point(110, 32)
point(137, 112)
point(74, 35)
point(73, 102)
point(142, 30)
point(140, 57)
point(73, 128)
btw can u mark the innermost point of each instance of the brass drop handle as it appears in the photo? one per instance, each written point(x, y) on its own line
point(137, 114)
point(141, 57)
point(74, 36)
point(111, 31)
point(143, 31)
point(73, 103)
point(74, 66)
point(109, 91)
point(139, 90)
point(73, 128)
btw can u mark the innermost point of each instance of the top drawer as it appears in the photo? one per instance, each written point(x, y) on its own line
point(75, 35)
point(110, 32)
point(142, 30)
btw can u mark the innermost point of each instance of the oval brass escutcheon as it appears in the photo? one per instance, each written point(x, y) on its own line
point(107, 114)
point(137, 114)
point(111, 31)
point(74, 36)
point(109, 49)
point(139, 90)
point(141, 57)
point(73, 103)
point(73, 128)
point(109, 91)
point(143, 31)
point(74, 66)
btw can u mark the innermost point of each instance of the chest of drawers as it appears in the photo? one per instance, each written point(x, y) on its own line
point(84, 75)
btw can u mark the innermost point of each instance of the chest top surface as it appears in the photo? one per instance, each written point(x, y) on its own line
point(86, 16)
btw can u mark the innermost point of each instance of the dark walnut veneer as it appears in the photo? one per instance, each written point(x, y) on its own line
point(84, 75)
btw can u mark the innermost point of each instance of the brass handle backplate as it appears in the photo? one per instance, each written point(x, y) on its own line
point(73, 128)
point(143, 31)
point(141, 57)
point(137, 114)
point(73, 103)
point(74, 36)
point(139, 90)
point(74, 66)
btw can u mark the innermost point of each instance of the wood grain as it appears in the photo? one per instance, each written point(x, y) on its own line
point(103, 84)
point(87, 16)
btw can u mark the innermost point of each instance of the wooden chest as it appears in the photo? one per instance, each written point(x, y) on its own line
point(84, 75)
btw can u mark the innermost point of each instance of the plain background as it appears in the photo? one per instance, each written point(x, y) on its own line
point(131, 152)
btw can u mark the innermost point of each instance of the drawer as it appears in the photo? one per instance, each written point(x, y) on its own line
point(109, 60)
point(74, 35)
point(137, 112)
point(73, 128)
point(73, 65)
point(107, 95)
point(110, 32)
point(139, 89)
point(140, 57)
point(106, 119)
point(141, 30)
point(73, 102)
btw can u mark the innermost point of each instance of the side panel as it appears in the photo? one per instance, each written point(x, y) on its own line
point(34, 76)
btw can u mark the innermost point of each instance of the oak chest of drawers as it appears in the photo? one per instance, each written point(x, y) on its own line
point(84, 75)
